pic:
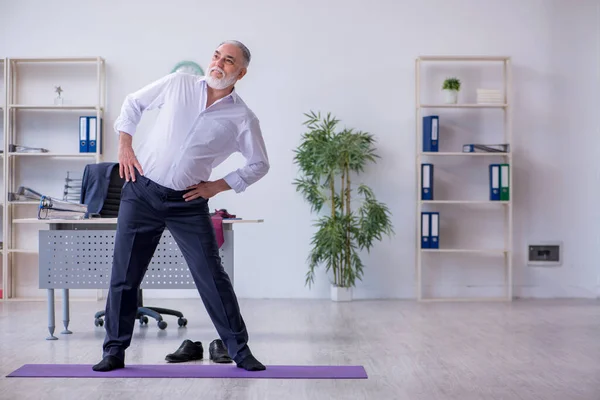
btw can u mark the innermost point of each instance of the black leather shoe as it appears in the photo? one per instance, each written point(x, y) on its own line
point(218, 353)
point(188, 351)
point(109, 363)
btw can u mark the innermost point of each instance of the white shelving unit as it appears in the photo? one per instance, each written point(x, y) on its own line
point(3, 102)
point(45, 110)
point(505, 249)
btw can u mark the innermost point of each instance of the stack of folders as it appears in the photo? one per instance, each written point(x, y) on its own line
point(486, 148)
point(89, 134)
point(489, 96)
point(51, 208)
point(72, 190)
point(24, 194)
point(499, 182)
point(430, 228)
point(16, 148)
point(426, 181)
point(431, 130)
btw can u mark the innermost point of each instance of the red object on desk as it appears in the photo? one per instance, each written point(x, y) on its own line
point(217, 220)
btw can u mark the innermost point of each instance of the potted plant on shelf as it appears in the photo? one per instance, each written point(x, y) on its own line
point(328, 162)
point(451, 87)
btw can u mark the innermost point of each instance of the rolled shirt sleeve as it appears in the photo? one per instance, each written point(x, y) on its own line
point(252, 146)
point(148, 97)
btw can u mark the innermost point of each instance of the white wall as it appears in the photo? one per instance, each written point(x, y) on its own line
point(356, 59)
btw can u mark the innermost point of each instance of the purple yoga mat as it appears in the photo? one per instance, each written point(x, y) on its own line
point(191, 371)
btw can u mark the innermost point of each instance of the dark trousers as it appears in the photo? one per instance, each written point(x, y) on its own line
point(146, 209)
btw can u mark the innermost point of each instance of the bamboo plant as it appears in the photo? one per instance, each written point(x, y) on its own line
point(328, 162)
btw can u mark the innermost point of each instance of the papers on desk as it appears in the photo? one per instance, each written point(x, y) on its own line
point(58, 209)
point(16, 148)
point(72, 189)
point(50, 213)
point(24, 194)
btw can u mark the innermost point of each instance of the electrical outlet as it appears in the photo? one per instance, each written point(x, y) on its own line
point(548, 254)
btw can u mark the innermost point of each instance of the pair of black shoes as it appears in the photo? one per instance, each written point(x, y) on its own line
point(192, 351)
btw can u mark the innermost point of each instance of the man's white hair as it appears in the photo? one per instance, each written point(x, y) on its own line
point(241, 46)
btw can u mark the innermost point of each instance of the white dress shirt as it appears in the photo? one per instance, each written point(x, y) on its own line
point(188, 139)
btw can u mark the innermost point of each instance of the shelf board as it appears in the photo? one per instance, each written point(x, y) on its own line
point(103, 221)
point(58, 298)
point(464, 202)
point(111, 221)
point(484, 251)
point(23, 251)
point(464, 58)
point(486, 105)
point(50, 154)
point(55, 107)
point(460, 153)
point(18, 299)
point(462, 299)
point(58, 59)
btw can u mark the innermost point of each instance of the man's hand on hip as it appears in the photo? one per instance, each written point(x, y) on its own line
point(206, 190)
point(127, 159)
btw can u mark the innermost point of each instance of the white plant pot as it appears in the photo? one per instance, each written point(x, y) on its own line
point(341, 293)
point(450, 96)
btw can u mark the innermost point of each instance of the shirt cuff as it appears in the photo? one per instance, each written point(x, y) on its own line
point(126, 127)
point(235, 182)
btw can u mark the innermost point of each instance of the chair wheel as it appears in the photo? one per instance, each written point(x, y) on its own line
point(162, 324)
point(98, 322)
point(182, 322)
point(143, 320)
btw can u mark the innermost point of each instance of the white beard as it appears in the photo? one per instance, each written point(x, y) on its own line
point(219, 83)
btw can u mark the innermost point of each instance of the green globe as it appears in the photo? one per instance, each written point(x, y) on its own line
point(189, 67)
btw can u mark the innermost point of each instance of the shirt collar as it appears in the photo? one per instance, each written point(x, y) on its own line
point(233, 95)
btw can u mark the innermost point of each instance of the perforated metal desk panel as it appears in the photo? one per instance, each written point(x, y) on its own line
point(82, 259)
point(78, 255)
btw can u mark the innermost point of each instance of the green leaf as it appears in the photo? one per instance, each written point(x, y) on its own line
point(311, 191)
point(375, 219)
point(451, 84)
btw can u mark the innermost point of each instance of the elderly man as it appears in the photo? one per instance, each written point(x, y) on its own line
point(202, 121)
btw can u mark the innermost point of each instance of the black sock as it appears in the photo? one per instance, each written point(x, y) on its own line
point(251, 364)
point(108, 363)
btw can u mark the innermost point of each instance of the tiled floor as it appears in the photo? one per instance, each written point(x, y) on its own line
point(526, 350)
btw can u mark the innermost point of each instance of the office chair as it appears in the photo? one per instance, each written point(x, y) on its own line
point(110, 209)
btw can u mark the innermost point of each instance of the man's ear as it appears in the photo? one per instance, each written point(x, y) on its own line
point(242, 73)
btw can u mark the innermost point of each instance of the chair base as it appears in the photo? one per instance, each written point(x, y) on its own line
point(144, 312)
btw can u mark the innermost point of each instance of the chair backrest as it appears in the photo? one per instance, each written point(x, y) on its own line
point(110, 209)
point(101, 189)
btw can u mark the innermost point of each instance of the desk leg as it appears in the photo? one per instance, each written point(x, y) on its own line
point(227, 251)
point(51, 325)
point(66, 312)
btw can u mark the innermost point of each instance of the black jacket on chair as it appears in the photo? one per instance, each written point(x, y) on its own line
point(101, 189)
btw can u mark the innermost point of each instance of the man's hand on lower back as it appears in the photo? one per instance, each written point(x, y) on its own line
point(206, 190)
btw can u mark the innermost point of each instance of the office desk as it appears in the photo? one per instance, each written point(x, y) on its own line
point(77, 254)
